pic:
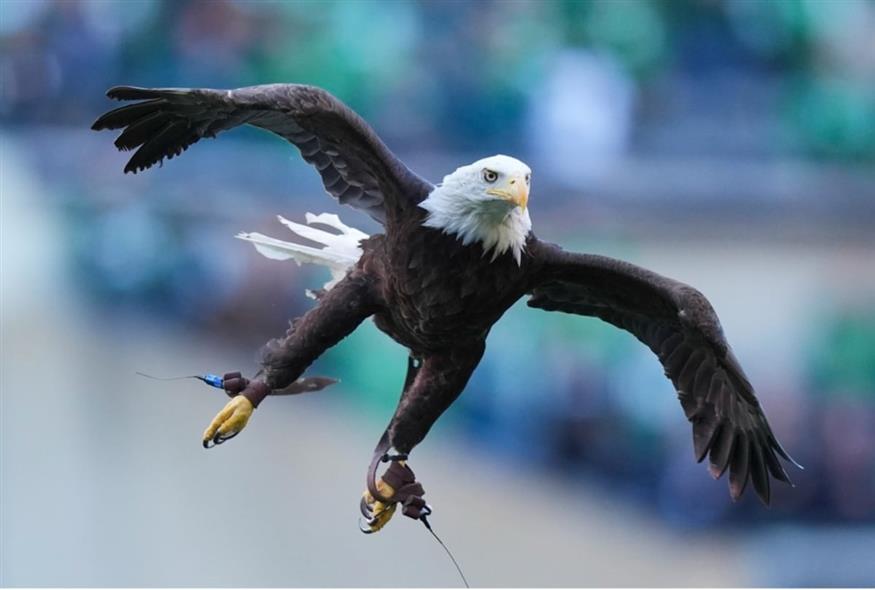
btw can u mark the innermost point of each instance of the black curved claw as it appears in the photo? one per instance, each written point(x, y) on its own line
point(365, 509)
point(218, 439)
point(369, 519)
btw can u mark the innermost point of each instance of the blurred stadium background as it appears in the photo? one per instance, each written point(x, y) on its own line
point(729, 144)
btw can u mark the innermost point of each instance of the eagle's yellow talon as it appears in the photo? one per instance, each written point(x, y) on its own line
point(229, 422)
point(381, 513)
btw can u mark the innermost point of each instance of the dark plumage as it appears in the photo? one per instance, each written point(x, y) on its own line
point(440, 297)
point(356, 167)
point(678, 324)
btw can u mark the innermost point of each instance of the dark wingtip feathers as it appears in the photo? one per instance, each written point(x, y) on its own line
point(721, 451)
point(155, 151)
point(780, 450)
point(132, 93)
point(150, 125)
point(705, 431)
point(123, 92)
point(128, 115)
point(758, 473)
point(749, 457)
point(735, 440)
point(739, 468)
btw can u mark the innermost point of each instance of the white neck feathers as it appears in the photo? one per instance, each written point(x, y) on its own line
point(456, 209)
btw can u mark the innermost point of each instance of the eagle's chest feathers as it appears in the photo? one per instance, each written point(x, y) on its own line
point(456, 210)
point(440, 292)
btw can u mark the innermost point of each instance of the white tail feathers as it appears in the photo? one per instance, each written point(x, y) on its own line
point(340, 253)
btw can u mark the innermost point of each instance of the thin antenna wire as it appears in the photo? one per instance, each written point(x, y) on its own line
point(438, 539)
point(168, 378)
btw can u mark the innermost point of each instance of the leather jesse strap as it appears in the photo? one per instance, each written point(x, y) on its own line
point(400, 477)
point(235, 384)
point(256, 390)
point(408, 492)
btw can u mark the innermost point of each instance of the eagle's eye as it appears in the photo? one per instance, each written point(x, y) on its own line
point(490, 176)
point(528, 179)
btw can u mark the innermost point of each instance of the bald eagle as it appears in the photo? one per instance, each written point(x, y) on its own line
point(452, 259)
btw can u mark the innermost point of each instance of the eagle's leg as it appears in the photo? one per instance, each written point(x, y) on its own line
point(435, 385)
point(337, 314)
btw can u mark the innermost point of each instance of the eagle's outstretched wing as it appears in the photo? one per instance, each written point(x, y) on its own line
point(355, 166)
point(678, 324)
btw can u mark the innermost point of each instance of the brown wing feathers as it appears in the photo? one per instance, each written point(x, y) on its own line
point(141, 130)
point(355, 166)
point(678, 324)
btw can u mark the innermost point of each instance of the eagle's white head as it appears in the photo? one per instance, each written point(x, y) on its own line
point(484, 202)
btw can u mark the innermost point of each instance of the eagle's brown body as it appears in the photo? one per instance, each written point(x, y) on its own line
point(429, 293)
point(435, 292)
point(439, 297)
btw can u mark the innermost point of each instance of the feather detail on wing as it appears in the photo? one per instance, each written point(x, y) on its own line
point(679, 325)
point(355, 165)
point(340, 253)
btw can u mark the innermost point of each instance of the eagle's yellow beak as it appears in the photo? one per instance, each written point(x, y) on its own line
point(514, 190)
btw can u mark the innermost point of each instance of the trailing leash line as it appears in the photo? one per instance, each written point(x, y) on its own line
point(424, 520)
point(407, 491)
point(218, 382)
